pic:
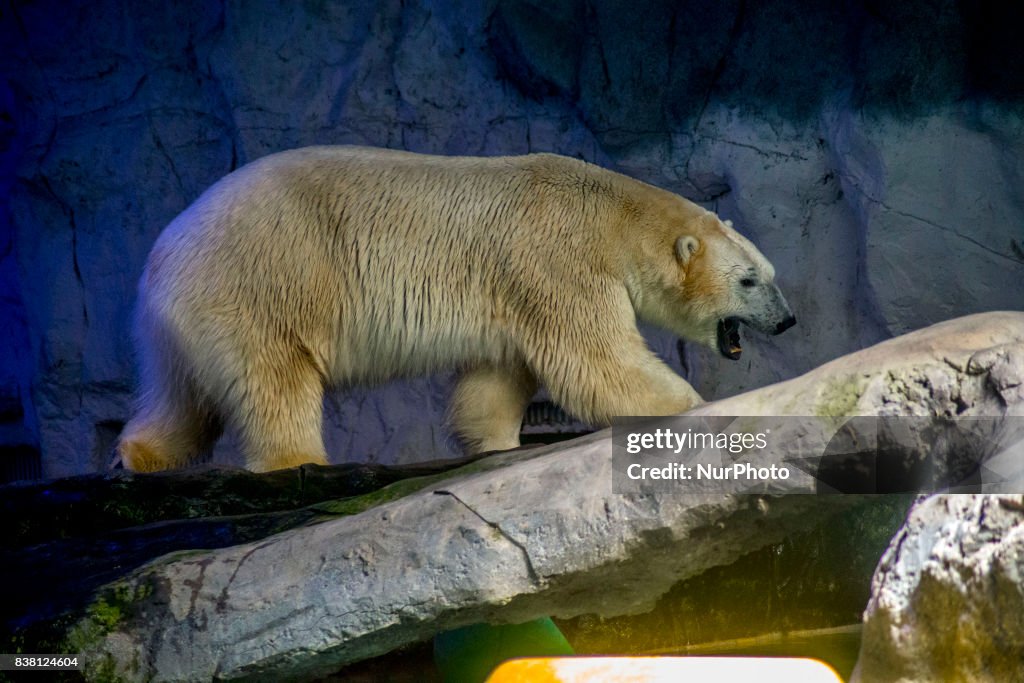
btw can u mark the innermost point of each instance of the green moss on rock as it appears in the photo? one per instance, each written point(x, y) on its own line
point(343, 507)
point(112, 607)
point(840, 396)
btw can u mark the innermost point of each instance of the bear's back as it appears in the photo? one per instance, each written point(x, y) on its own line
point(391, 250)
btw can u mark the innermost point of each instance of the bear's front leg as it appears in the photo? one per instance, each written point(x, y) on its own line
point(612, 388)
point(488, 404)
point(599, 372)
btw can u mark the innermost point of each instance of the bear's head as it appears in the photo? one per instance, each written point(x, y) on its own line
point(701, 279)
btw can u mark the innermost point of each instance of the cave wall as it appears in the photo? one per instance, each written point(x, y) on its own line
point(872, 150)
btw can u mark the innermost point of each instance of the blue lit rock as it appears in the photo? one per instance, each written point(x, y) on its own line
point(874, 157)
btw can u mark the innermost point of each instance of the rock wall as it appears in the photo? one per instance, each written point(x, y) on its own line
point(872, 152)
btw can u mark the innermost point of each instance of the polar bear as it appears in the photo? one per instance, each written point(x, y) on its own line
point(333, 266)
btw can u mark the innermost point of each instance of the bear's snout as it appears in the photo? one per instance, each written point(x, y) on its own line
point(785, 324)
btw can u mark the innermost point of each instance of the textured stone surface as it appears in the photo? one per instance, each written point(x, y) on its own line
point(70, 536)
point(500, 546)
point(966, 367)
point(947, 598)
point(874, 156)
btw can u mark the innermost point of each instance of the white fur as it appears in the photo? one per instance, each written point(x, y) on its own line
point(333, 266)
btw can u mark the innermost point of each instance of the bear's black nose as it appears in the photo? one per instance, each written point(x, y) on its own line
point(785, 324)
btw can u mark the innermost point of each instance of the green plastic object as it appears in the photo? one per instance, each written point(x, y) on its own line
point(469, 654)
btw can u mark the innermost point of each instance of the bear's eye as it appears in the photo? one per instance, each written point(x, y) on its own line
point(747, 282)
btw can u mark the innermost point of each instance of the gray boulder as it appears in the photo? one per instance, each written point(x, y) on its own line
point(541, 534)
point(947, 598)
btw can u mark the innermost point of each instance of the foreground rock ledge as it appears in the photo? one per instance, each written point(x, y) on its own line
point(947, 599)
point(543, 535)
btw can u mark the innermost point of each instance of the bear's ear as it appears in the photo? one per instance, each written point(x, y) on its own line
point(686, 247)
point(728, 223)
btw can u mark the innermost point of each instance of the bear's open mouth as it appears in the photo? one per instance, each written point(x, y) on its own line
point(729, 338)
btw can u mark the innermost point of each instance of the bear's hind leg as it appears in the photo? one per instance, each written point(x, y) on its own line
point(277, 407)
point(488, 405)
point(171, 431)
